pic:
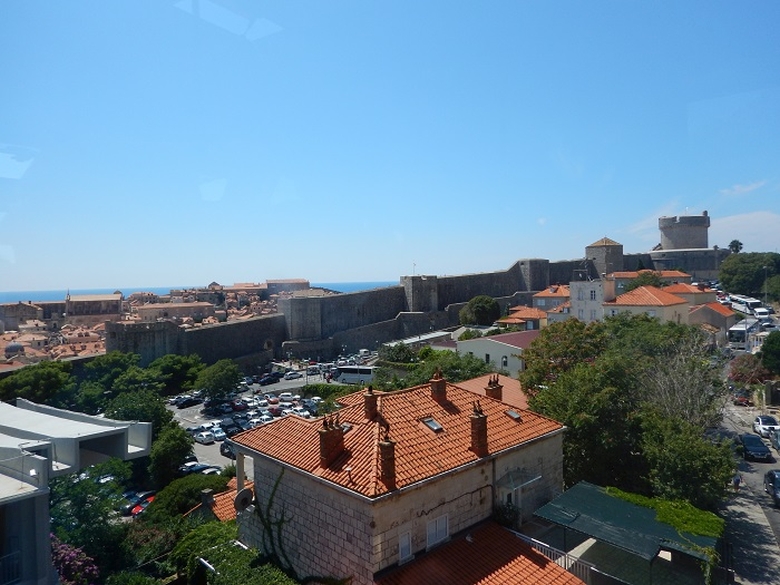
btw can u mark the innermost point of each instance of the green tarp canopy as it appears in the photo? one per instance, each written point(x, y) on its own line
point(590, 510)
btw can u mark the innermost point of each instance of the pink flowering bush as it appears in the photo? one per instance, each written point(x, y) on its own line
point(72, 564)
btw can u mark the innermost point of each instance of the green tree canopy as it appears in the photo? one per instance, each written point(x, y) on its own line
point(168, 452)
point(219, 379)
point(177, 373)
point(142, 405)
point(770, 353)
point(735, 246)
point(745, 274)
point(46, 382)
point(180, 496)
point(481, 310)
point(649, 278)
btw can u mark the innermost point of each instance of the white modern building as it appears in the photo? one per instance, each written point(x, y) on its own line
point(37, 443)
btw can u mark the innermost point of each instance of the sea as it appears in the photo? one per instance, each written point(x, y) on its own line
point(59, 295)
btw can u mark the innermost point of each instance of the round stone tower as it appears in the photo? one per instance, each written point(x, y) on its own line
point(684, 232)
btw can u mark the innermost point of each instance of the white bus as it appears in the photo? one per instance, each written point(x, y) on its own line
point(354, 374)
point(749, 303)
point(740, 334)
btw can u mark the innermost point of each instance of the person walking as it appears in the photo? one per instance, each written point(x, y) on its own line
point(736, 481)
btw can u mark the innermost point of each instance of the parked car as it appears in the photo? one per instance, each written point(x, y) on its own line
point(132, 499)
point(226, 449)
point(765, 424)
point(219, 434)
point(292, 375)
point(772, 485)
point(141, 506)
point(742, 398)
point(268, 379)
point(300, 411)
point(204, 437)
point(754, 449)
point(774, 440)
point(194, 467)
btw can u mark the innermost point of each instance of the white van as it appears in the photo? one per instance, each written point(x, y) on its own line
point(761, 313)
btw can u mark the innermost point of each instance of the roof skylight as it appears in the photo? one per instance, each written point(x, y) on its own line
point(514, 415)
point(431, 423)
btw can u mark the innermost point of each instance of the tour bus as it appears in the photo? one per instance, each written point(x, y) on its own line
point(354, 374)
point(739, 335)
point(749, 303)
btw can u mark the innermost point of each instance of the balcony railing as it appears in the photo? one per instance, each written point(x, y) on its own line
point(11, 568)
point(572, 564)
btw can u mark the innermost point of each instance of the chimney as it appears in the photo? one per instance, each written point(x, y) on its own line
point(438, 386)
point(387, 460)
point(494, 389)
point(331, 441)
point(369, 403)
point(479, 438)
point(207, 497)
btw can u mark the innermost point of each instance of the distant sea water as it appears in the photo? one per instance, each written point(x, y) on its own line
point(59, 295)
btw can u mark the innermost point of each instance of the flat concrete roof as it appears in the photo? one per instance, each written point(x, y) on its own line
point(44, 425)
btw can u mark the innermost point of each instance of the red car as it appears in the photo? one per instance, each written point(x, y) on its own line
point(141, 506)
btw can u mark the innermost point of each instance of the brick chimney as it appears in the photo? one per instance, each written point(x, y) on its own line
point(331, 441)
point(479, 438)
point(387, 460)
point(207, 497)
point(494, 389)
point(369, 403)
point(438, 386)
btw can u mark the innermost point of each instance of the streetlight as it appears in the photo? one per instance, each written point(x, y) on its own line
point(765, 268)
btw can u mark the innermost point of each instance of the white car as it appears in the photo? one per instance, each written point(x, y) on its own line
point(764, 425)
point(204, 437)
point(300, 411)
point(286, 397)
point(219, 434)
point(292, 375)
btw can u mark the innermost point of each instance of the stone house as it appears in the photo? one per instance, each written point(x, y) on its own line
point(393, 475)
point(651, 301)
point(551, 297)
point(502, 352)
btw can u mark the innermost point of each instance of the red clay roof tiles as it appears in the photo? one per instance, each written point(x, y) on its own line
point(647, 296)
point(419, 452)
point(487, 555)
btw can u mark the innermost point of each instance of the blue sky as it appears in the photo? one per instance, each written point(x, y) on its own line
point(166, 142)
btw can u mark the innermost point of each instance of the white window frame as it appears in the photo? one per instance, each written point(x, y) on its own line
point(405, 547)
point(437, 530)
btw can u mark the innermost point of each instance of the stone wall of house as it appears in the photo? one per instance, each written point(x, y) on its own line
point(326, 531)
point(330, 532)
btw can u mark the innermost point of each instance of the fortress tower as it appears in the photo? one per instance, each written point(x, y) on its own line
point(684, 232)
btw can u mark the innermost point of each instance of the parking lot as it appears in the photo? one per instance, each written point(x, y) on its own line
point(191, 416)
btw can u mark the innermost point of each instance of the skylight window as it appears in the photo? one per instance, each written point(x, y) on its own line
point(514, 415)
point(431, 423)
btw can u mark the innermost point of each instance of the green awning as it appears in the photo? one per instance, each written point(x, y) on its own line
point(590, 510)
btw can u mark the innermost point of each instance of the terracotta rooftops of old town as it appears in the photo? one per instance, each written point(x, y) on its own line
point(428, 428)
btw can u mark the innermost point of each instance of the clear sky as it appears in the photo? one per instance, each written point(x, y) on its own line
point(180, 142)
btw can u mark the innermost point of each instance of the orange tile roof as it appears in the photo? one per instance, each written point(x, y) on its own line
point(605, 241)
point(660, 273)
point(717, 307)
point(560, 308)
point(512, 392)
point(682, 287)
point(223, 506)
point(554, 291)
point(487, 555)
point(647, 296)
point(419, 452)
point(523, 312)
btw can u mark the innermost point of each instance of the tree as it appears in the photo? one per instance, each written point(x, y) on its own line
point(735, 246)
point(649, 278)
point(558, 348)
point(747, 273)
point(747, 369)
point(82, 512)
point(683, 383)
point(481, 310)
point(177, 373)
point(770, 353)
point(168, 452)
point(142, 405)
point(46, 382)
point(684, 465)
point(399, 353)
point(181, 496)
point(73, 566)
point(219, 379)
